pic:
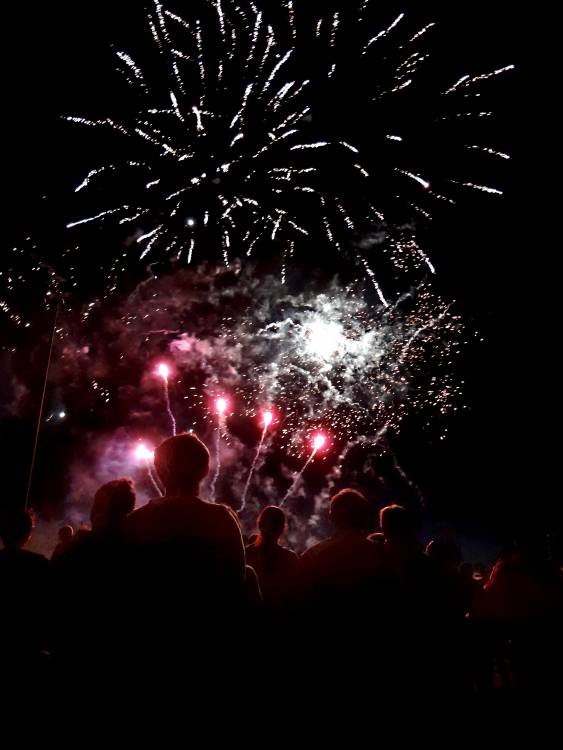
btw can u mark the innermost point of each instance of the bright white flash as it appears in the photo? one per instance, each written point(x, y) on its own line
point(324, 339)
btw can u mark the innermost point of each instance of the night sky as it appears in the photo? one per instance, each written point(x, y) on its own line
point(492, 473)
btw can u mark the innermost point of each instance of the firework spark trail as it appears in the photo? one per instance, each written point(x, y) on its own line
point(144, 454)
point(137, 72)
point(319, 441)
point(168, 407)
point(490, 151)
point(291, 17)
point(217, 473)
point(321, 501)
point(482, 188)
point(101, 215)
point(221, 405)
point(255, 35)
point(164, 372)
point(383, 33)
point(422, 31)
point(421, 181)
point(467, 80)
point(404, 476)
point(297, 477)
point(153, 478)
point(252, 469)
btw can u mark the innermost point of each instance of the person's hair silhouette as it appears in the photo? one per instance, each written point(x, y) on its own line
point(15, 528)
point(271, 524)
point(112, 503)
point(349, 511)
point(182, 462)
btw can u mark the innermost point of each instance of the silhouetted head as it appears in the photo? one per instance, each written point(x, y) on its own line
point(398, 524)
point(15, 528)
point(66, 533)
point(445, 555)
point(182, 462)
point(271, 523)
point(112, 503)
point(349, 511)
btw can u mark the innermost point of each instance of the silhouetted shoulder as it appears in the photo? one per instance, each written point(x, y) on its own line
point(138, 520)
point(23, 559)
point(289, 554)
point(317, 550)
point(224, 515)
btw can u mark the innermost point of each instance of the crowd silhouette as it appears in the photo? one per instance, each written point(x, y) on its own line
point(173, 587)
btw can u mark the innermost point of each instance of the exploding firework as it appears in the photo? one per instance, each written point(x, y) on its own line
point(328, 358)
point(234, 137)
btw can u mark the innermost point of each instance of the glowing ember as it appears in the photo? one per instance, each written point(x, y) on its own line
point(164, 371)
point(221, 405)
point(267, 419)
point(324, 339)
point(319, 441)
point(142, 453)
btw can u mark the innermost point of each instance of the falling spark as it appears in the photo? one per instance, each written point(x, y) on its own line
point(491, 151)
point(482, 188)
point(383, 33)
point(421, 181)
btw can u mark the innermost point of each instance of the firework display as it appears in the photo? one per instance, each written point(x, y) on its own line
point(250, 131)
point(333, 366)
point(241, 131)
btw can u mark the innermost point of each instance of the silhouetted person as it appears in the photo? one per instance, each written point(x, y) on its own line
point(96, 548)
point(275, 566)
point(448, 587)
point(24, 593)
point(403, 554)
point(336, 571)
point(446, 605)
point(93, 575)
point(339, 577)
point(472, 589)
point(407, 615)
point(522, 606)
point(65, 534)
point(252, 592)
point(347, 559)
point(189, 558)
